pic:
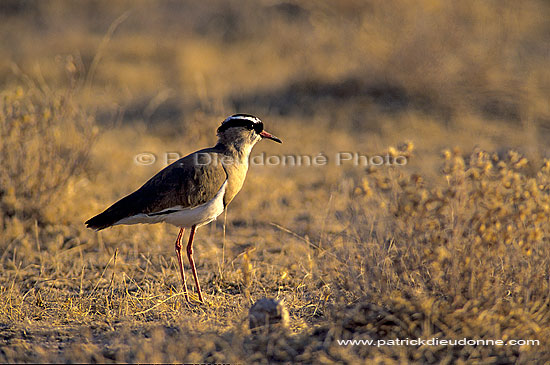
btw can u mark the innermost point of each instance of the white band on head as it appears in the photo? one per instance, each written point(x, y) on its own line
point(245, 117)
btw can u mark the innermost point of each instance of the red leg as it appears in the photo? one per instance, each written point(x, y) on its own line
point(192, 262)
point(180, 261)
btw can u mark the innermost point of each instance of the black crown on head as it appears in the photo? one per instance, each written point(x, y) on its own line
point(247, 121)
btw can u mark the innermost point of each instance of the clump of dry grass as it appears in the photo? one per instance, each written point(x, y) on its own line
point(45, 140)
point(482, 209)
point(473, 240)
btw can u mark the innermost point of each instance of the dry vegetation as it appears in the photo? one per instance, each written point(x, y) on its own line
point(453, 245)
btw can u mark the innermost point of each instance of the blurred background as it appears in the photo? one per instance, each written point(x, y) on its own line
point(350, 65)
point(87, 86)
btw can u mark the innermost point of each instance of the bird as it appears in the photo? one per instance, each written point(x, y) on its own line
point(192, 191)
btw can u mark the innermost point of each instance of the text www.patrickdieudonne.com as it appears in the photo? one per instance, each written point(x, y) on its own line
point(437, 342)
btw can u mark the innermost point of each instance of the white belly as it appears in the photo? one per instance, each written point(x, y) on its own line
point(183, 217)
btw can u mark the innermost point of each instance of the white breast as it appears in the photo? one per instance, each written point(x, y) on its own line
point(184, 217)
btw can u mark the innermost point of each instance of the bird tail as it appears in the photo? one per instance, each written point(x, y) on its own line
point(101, 221)
point(109, 217)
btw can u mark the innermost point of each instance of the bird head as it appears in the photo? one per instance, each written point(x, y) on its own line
point(243, 131)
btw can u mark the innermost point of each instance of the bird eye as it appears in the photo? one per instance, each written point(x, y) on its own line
point(259, 127)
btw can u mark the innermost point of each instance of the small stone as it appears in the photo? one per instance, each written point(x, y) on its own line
point(270, 314)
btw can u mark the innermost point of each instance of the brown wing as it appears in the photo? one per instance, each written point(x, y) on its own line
point(188, 182)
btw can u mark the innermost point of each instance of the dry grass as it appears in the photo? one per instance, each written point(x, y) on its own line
point(453, 245)
point(45, 140)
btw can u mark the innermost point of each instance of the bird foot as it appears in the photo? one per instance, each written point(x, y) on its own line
point(193, 298)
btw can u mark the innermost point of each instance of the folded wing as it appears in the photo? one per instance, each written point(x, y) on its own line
point(189, 182)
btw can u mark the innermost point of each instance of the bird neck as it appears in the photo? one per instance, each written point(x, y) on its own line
point(237, 148)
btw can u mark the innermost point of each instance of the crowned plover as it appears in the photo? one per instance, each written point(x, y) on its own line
point(194, 190)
